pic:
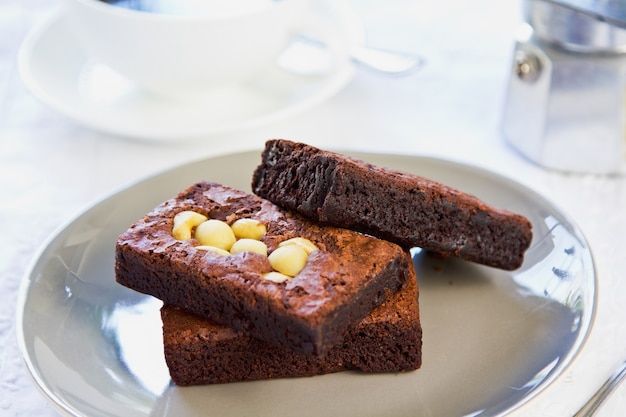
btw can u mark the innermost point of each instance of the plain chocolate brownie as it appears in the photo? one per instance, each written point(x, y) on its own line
point(198, 351)
point(407, 209)
point(340, 284)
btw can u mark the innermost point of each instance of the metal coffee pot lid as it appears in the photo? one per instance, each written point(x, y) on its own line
point(580, 25)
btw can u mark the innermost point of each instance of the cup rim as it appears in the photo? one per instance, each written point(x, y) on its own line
point(104, 7)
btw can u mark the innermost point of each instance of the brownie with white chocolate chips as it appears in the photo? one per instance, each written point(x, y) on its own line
point(344, 275)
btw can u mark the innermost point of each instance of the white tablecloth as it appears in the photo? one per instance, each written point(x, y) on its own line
point(51, 168)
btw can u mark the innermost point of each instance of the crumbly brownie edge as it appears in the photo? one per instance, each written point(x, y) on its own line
point(205, 298)
point(198, 351)
point(295, 176)
point(355, 194)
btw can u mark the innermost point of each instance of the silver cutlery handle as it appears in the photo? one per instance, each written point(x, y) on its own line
point(598, 398)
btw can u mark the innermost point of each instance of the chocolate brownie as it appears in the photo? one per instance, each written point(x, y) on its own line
point(340, 284)
point(407, 209)
point(198, 351)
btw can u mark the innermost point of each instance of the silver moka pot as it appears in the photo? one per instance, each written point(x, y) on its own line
point(565, 107)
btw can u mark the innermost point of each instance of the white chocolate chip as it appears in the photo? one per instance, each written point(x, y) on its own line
point(289, 260)
point(218, 237)
point(213, 249)
point(304, 243)
point(184, 222)
point(215, 233)
point(276, 277)
point(249, 245)
point(249, 229)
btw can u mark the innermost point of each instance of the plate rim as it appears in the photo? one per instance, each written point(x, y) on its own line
point(26, 279)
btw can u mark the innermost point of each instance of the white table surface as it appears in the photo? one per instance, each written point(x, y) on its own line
point(51, 168)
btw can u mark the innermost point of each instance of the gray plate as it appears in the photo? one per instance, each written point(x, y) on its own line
point(492, 339)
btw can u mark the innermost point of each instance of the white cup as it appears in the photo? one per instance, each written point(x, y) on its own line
point(180, 55)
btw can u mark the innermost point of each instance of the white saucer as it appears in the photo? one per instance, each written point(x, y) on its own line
point(61, 75)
